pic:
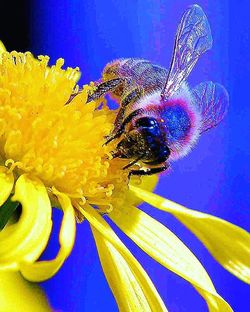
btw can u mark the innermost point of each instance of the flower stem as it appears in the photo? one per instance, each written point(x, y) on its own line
point(6, 211)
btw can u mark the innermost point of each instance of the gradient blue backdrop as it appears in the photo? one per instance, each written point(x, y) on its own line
point(214, 178)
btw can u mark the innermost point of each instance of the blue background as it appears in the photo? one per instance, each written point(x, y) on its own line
point(214, 178)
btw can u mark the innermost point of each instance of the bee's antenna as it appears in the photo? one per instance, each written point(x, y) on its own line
point(72, 96)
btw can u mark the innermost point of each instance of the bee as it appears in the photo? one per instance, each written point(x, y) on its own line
point(160, 118)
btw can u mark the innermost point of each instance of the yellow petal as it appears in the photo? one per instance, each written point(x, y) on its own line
point(147, 183)
point(2, 49)
point(228, 243)
point(166, 248)
point(6, 182)
point(16, 294)
point(26, 239)
point(119, 263)
point(42, 270)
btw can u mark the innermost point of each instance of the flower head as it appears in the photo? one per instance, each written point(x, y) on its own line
point(60, 144)
point(52, 154)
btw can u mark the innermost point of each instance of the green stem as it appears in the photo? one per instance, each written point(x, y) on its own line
point(6, 211)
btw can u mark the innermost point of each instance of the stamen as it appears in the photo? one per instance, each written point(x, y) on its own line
point(60, 144)
point(13, 165)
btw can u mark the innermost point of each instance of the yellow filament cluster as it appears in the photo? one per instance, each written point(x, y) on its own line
point(61, 144)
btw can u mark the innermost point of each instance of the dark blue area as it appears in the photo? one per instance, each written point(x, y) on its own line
point(147, 122)
point(149, 126)
point(214, 178)
point(177, 123)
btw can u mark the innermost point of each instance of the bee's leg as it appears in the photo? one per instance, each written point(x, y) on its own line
point(105, 87)
point(72, 96)
point(126, 101)
point(149, 171)
point(133, 162)
point(119, 124)
point(120, 130)
point(101, 89)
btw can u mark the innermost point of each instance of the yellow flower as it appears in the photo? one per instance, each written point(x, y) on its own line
point(52, 154)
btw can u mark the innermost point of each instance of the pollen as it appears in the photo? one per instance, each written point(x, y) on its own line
point(58, 140)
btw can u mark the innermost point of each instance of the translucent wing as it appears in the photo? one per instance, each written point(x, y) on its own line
point(193, 38)
point(212, 100)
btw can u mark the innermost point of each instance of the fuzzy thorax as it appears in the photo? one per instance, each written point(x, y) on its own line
point(179, 118)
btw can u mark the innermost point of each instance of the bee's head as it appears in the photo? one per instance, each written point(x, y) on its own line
point(144, 139)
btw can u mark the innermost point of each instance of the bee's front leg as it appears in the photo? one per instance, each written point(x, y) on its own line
point(105, 87)
point(149, 171)
point(129, 99)
point(101, 90)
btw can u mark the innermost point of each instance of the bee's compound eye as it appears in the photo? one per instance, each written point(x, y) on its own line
point(146, 122)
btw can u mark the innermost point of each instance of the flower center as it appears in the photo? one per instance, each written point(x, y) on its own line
point(63, 145)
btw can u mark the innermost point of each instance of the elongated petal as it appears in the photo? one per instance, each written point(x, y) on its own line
point(6, 184)
point(26, 239)
point(140, 289)
point(228, 243)
point(42, 270)
point(166, 248)
point(17, 294)
point(120, 277)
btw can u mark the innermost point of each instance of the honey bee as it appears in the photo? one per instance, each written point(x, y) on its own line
point(160, 118)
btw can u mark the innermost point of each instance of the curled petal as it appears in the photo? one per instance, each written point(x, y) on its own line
point(42, 270)
point(17, 294)
point(228, 243)
point(127, 279)
point(166, 248)
point(6, 182)
point(25, 240)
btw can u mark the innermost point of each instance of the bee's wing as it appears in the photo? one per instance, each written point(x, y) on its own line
point(212, 100)
point(193, 38)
